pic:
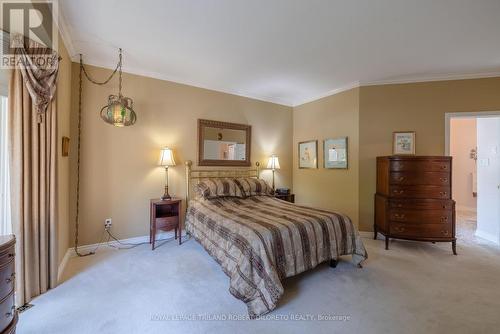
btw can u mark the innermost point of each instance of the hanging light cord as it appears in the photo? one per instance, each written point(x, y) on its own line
point(84, 71)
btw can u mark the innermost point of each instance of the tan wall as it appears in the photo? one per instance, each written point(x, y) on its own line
point(119, 173)
point(63, 101)
point(330, 117)
point(420, 107)
point(463, 138)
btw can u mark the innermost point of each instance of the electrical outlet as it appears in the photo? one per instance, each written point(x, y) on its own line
point(108, 223)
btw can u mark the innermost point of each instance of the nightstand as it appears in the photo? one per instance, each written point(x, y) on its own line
point(164, 216)
point(289, 197)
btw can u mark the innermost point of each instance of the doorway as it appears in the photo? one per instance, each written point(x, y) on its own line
point(473, 140)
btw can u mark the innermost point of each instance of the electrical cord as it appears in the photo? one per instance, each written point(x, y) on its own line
point(126, 244)
point(83, 71)
point(92, 252)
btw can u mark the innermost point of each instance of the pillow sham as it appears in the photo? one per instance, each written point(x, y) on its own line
point(213, 188)
point(254, 187)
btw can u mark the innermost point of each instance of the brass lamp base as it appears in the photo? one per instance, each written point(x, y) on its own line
point(166, 195)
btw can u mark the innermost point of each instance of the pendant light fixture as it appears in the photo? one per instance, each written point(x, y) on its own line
point(119, 110)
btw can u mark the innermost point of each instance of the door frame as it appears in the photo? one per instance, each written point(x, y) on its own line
point(474, 114)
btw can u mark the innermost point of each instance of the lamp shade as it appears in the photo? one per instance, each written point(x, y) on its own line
point(273, 162)
point(167, 157)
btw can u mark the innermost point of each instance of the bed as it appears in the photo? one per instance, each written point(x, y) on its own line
point(260, 240)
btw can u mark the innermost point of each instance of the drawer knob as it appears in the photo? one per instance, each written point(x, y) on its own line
point(401, 178)
point(399, 216)
point(444, 219)
point(444, 167)
point(445, 232)
point(11, 313)
point(399, 192)
point(11, 254)
point(443, 193)
point(10, 279)
point(444, 179)
point(400, 229)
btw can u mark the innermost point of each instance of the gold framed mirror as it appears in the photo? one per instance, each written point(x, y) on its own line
point(223, 144)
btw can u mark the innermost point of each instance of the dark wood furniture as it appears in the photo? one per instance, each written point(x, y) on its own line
point(413, 199)
point(165, 216)
point(8, 313)
point(286, 197)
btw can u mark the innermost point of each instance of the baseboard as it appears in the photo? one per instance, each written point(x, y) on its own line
point(87, 248)
point(368, 234)
point(487, 236)
point(62, 265)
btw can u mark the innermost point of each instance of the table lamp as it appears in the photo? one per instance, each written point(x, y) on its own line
point(273, 164)
point(166, 160)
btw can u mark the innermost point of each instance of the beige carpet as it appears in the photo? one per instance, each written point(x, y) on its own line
point(411, 288)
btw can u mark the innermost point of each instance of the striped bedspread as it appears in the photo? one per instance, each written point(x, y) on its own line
point(261, 240)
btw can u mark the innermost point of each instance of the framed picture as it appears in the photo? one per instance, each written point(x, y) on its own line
point(403, 143)
point(308, 154)
point(335, 153)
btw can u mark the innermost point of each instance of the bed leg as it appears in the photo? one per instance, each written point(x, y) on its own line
point(386, 242)
point(333, 263)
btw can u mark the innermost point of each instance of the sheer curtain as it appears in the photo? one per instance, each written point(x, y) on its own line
point(5, 222)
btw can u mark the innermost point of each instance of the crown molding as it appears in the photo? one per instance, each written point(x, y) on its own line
point(404, 80)
point(329, 93)
point(64, 30)
point(432, 78)
point(160, 76)
point(352, 85)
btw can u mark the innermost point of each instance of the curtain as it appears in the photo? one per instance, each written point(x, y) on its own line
point(5, 222)
point(33, 147)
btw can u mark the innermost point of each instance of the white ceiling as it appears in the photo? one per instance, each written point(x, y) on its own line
point(288, 51)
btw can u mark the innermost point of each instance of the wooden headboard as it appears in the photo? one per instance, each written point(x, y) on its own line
point(193, 176)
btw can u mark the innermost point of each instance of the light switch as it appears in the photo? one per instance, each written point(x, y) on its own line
point(484, 162)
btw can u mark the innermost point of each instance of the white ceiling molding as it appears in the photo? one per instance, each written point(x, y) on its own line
point(329, 93)
point(431, 78)
point(164, 77)
point(288, 52)
point(66, 36)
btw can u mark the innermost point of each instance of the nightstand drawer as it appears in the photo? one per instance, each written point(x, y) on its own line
point(167, 222)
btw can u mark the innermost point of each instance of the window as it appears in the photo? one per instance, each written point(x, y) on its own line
point(5, 223)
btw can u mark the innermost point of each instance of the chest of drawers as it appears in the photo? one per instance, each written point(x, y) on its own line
point(413, 199)
point(8, 313)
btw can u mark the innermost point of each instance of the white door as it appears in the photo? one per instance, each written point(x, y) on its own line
point(488, 179)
